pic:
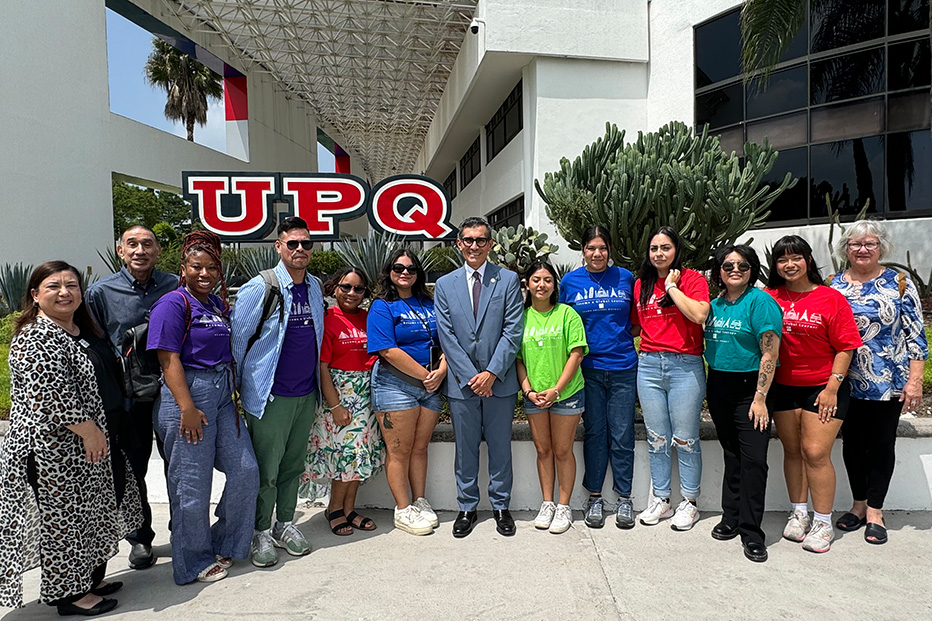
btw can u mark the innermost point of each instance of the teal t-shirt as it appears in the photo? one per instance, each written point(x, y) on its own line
point(733, 330)
point(548, 340)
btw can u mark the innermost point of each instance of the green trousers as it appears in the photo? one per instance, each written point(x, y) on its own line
point(279, 439)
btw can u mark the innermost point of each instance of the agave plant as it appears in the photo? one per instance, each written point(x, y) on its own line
point(248, 262)
point(111, 259)
point(14, 278)
point(517, 248)
point(368, 254)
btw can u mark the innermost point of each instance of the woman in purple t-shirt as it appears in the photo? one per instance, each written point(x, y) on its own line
point(197, 419)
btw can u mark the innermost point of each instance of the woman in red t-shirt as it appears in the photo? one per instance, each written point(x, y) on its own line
point(345, 445)
point(810, 396)
point(671, 307)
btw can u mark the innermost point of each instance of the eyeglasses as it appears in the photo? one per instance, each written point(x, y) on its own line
point(400, 268)
point(866, 245)
point(345, 288)
point(292, 244)
point(729, 266)
point(481, 242)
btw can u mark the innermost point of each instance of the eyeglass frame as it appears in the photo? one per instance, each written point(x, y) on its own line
point(743, 267)
point(292, 244)
point(480, 242)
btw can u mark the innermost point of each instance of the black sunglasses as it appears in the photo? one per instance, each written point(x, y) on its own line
point(743, 266)
point(345, 288)
point(399, 268)
point(293, 244)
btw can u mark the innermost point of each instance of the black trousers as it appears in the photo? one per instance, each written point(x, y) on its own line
point(744, 484)
point(868, 448)
point(133, 434)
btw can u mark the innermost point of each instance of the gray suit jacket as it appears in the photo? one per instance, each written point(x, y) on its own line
point(487, 342)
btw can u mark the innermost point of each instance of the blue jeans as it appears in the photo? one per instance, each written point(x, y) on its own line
point(671, 388)
point(609, 429)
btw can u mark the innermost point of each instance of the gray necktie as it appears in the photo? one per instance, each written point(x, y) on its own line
point(476, 290)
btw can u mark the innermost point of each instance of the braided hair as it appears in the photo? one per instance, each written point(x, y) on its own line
point(209, 243)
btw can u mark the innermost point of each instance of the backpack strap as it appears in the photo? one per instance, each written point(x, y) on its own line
point(187, 315)
point(273, 297)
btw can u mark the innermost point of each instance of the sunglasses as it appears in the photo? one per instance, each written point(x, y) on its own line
point(400, 268)
point(292, 244)
point(481, 242)
point(730, 266)
point(345, 288)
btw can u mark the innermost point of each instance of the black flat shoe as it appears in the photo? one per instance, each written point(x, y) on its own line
point(755, 551)
point(878, 532)
point(724, 532)
point(849, 522)
point(108, 589)
point(104, 605)
point(504, 523)
point(463, 523)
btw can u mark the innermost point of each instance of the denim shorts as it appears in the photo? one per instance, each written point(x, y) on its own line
point(390, 394)
point(572, 405)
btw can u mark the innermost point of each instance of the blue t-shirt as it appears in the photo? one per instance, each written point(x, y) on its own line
point(603, 301)
point(206, 344)
point(296, 371)
point(401, 324)
point(733, 330)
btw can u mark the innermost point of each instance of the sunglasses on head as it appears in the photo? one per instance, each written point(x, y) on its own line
point(400, 268)
point(730, 266)
point(345, 288)
point(292, 244)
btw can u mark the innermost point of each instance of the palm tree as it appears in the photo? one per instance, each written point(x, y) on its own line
point(187, 83)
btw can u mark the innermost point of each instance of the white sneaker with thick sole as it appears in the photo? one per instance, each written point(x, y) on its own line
point(797, 526)
point(411, 521)
point(685, 517)
point(562, 520)
point(658, 509)
point(545, 515)
point(427, 512)
point(819, 538)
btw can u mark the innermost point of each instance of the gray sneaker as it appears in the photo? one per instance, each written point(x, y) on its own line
point(624, 513)
point(262, 552)
point(290, 539)
point(594, 516)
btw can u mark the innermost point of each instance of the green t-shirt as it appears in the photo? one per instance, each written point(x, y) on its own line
point(548, 340)
point(733, 330)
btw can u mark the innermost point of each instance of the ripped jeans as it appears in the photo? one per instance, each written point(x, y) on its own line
point(671, 388)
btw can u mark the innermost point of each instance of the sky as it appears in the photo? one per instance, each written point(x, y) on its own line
point(128, 47)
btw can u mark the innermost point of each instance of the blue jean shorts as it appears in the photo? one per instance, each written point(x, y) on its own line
point(572, 405)
point(390, 394)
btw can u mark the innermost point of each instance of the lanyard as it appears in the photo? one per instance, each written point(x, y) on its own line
point(421, 318)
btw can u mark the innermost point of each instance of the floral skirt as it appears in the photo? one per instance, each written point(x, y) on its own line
point(353, 452)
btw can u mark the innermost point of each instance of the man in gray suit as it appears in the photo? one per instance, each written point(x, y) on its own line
point(480, 321)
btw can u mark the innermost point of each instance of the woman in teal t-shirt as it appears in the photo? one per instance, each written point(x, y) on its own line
point(554, 344)
point(742, 343)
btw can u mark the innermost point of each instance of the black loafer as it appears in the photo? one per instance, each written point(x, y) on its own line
point(141, 556)
point(755, 551)
point(108, 589)
point(104, 605)
point(504, 523)
point(463, 523)
point(724, 532)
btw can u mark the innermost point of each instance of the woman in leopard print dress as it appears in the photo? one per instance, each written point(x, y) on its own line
point(58, 508)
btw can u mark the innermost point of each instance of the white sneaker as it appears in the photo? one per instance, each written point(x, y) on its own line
point(427, 512)
point(685, 517)
point(545, 515)
point(562, 519)
point(820, 537)
point(658, 509)
point(797, 526)
point(411, 521)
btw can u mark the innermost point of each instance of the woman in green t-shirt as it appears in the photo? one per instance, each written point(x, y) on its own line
point(553, 345)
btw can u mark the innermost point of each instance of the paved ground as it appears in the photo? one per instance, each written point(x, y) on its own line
point(644, 573)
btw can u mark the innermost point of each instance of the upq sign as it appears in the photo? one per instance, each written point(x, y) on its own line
point(239, 206)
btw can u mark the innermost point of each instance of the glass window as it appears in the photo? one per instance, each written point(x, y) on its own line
point(851, 173)
point(786, 90)
point(793, 203)
point(511, 214)
point(909, 65)
point(798, 46)
point(837, 23)
point(470, 164)
point(908, 15)
point(505, 123)
point(909, 171)
point(789, 130)
point(848, 120)
point(846, 77)
point(718, 49)
point(449, 184)
point(721, 107)
point(908, 111)
point(732, 140)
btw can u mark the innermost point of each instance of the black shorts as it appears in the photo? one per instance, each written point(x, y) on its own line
point(783, 398)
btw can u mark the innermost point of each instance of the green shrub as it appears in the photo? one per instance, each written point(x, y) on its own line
point(324, 263)
point(6, 329)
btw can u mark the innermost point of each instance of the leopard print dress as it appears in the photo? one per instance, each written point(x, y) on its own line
point(74, 525)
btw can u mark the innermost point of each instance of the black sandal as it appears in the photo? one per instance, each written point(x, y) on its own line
point(364, 522)
point(878, 532)
point(341, 526)
point(849, 522)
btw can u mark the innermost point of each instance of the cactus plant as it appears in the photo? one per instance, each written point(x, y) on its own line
point(516, 248)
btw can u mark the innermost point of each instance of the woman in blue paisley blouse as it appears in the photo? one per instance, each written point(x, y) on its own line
point(886, 372)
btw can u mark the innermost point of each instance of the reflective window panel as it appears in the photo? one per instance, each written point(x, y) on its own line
point(908, 15)
point(847, 120)
point(908, 111)
point(786, 90)
point(732, 140)
point(721, 107)
point(909, 171)
point(718, 50)
point(783, 132)
point(909, 65)
point(837, 23)
point(850, 172)
point(792, 204)
point(846, 77)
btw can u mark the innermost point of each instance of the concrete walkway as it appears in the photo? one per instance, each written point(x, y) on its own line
point(645, 573)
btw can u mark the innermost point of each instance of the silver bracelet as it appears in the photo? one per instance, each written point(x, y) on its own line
point(760, 391)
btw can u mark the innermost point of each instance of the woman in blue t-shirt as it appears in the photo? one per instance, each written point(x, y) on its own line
point(406, 383)
point(602, 294)
point(189, 328)
point(742, 344)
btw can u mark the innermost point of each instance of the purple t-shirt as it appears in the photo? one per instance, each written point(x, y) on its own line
point(208, 341)
point(296, 372)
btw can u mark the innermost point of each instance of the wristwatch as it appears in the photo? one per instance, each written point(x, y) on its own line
point(839, 377)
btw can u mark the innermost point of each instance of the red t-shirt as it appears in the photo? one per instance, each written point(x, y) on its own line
point(667, 329)
point(344, 344)
point(816, 326)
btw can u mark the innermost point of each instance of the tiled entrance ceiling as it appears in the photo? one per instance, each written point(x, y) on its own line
point(373, 70)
